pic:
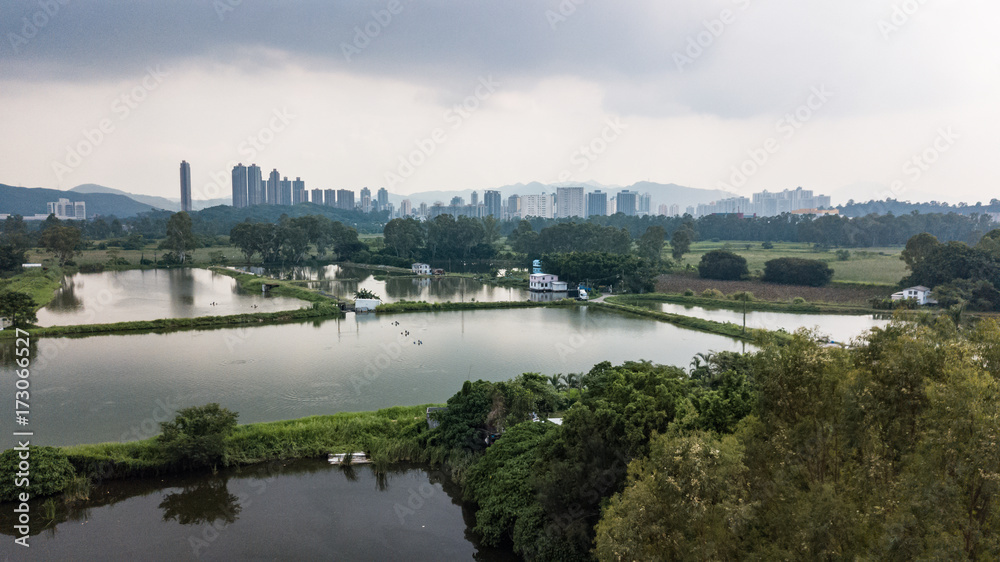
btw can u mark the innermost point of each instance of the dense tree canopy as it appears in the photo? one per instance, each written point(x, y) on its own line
point(797, 271)
point(723, 265)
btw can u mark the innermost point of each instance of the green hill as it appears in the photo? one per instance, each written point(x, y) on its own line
point(33, 200)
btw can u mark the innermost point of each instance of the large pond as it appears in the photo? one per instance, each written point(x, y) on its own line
point(343, 281)
point(839, 327)
point(118, 387)
point(123, 296)
point(303, 510)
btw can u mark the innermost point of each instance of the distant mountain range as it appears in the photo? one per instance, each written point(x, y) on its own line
point(106, 201)
point(29, 201)
point(152, 200)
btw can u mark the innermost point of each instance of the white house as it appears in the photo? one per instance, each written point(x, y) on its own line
point(543, 282)
point(421, 269)
point(919, 293)
point(5, 322)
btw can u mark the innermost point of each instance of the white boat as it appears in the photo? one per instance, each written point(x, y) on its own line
point(349, 458)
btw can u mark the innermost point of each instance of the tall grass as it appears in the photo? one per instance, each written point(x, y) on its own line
point(389, 435)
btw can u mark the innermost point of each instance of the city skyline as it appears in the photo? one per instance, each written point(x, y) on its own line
point(860, 108)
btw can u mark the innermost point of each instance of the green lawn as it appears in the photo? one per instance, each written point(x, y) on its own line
point(866, 265)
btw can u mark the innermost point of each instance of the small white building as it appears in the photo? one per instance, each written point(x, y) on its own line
point(919, 293)
point(543, 282)
point(31, 265)
point(5, 323)
point(421, 269)
point(366, 305)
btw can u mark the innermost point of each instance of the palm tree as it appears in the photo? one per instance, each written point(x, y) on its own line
point(558, 381)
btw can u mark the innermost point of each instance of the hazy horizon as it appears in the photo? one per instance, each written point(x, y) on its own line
point(861, 100)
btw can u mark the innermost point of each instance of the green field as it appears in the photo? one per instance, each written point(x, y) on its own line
point(866, 265)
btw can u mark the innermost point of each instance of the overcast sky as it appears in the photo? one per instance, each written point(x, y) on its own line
point(855, 98)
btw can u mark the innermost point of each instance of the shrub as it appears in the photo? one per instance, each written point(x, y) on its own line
point(843, 255)
point(688, 293)
point(767, 246)
point(742, 295)
point(797, 271)
point(50, 472)
point(713, 294)
point(197, 435)
point(798, 300)
point(722, 265)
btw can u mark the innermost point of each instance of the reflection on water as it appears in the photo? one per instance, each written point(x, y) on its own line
point(122, 296)
point(839, 327)
point(288, 510)
point(343, 281)
point(118, 387)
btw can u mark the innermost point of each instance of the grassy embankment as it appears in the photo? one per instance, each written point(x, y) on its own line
point(867, 266)
point(727, 329)
point(836, 294)
point(41, 285)
point(803, 307)
point(388, 435)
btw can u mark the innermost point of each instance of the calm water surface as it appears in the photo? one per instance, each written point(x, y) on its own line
point(123, 296)
point(344, 281)
point(302, 510)
point(118, 387)
point(839, 327)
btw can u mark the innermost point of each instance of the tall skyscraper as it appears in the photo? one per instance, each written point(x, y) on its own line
point(240, 194)
point(597, 203)
point(493, 202)
point(330, 197)
point(644, 204)
point(475, 198)
point(255, 186)
point(345, 199)
point(626, 202)
point(513, 207)
point(272, 187)
point(537, 206)
point(569, 202)
point(285, 192)
point(317, 196)
point(366, 200)
point(383, 198)
point(298, 191)
point(423, 209)
point(405, 208)
point(457, 201)
point(185, 186)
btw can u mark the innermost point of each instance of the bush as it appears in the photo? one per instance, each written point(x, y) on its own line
point(197, 435)
point(843, 255)
point(798, 300)
point(723, 265)
point(712, 294)
point(50, 472)
point(742, 295)
point(688, 293)
point(797, 271)
point(767, 246)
